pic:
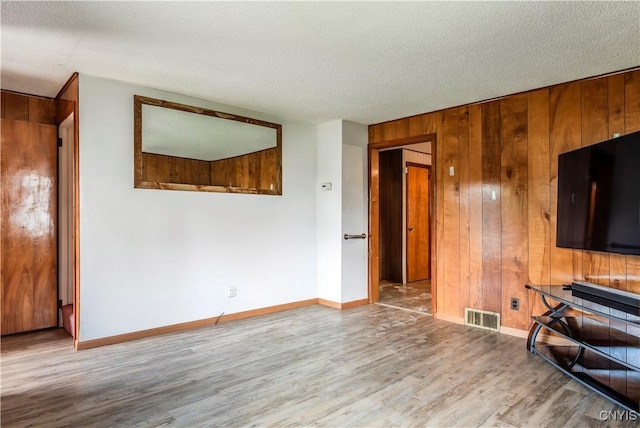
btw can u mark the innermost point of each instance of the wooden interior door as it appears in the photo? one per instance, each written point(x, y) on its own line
point(418, 223)
point(29, 206)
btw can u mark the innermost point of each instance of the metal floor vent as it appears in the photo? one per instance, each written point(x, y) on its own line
point(482, 319)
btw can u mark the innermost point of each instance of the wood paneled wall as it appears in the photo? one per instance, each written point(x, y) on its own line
point(173, 169)
point(29, 210)
point(391, 215)
point(496, 217)
point(256, 170)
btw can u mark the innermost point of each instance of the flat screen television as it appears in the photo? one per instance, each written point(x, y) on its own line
point(599, 197)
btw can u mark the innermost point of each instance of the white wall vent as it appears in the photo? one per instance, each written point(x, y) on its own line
point(482, 319)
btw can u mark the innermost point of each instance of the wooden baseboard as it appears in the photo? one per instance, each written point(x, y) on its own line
point(503, 330)
point(450, 318)
point(345, 305)
point(514, 332)
point(120, 338)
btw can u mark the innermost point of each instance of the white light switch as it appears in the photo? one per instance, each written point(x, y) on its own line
point(451, 171)
point(493, 195)
point(326, 187)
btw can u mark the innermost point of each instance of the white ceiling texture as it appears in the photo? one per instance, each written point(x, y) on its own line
point(366, 62)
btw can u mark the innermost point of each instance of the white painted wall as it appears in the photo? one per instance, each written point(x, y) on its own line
point(151, 258)
point(354, 211)
point(341, 159)
point(329, 210)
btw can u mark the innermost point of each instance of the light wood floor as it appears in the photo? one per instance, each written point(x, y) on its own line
point(413, 296)
point(314, 366)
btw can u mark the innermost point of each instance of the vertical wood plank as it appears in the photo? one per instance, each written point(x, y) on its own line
point(475, 207)
point(390, 131)
point(433, 122)
point(463, 180)
point(451, 208)
point(564, 135)
point(16, 106)
point(514, 197)
point(375, 133)
point(632, 101)
point(42, 110)
point(595, 118)
point(29, 210)
point(45, 251)
point(415, 126)
point(17, 248)
point(491, 213)
point(402, 128)
point(539, 215)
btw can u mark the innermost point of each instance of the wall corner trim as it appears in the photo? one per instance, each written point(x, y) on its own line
point(345, 305)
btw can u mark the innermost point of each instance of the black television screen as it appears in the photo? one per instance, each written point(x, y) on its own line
point(599, 197)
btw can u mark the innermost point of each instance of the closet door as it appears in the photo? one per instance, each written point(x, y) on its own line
point(29, 206)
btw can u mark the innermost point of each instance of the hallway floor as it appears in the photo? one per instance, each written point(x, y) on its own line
point(413, 296)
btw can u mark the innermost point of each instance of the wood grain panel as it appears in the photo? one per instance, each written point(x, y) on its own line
point(559, 118)
point(28, 108)
point(258, 170)
point(415, 126)
point(433, 122)
point(539, 215)
point(16, 106)
point(418, 224)
point(475, 207)
point(595, 125)
point(632, 101)
point(491, 212)
point(564, 135)
point(403, 128)
point(451, 209)
point(465, 213)
point(29, 256)
point(17, 249)
point(390, 131)
point(45, 251)
point(514, 197)
point(390, 167)
point(375, 133)
point(42, 110)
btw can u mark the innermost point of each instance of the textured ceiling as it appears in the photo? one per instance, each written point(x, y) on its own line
point(319, 61)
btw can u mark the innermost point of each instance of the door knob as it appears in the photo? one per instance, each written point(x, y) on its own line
point(410, 229)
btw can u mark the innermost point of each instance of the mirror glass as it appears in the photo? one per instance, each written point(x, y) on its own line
point(181, 147)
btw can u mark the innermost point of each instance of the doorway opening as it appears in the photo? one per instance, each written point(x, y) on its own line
point(66, 226)
point(402, 223)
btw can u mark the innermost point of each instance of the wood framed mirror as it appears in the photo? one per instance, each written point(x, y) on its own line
point(181, 147)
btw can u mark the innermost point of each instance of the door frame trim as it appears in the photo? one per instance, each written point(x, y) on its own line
point(373, 150)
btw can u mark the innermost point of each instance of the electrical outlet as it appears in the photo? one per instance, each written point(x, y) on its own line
point(232, 292)
point(515, 304)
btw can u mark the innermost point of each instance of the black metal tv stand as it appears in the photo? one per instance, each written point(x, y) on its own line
point(592, 342)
